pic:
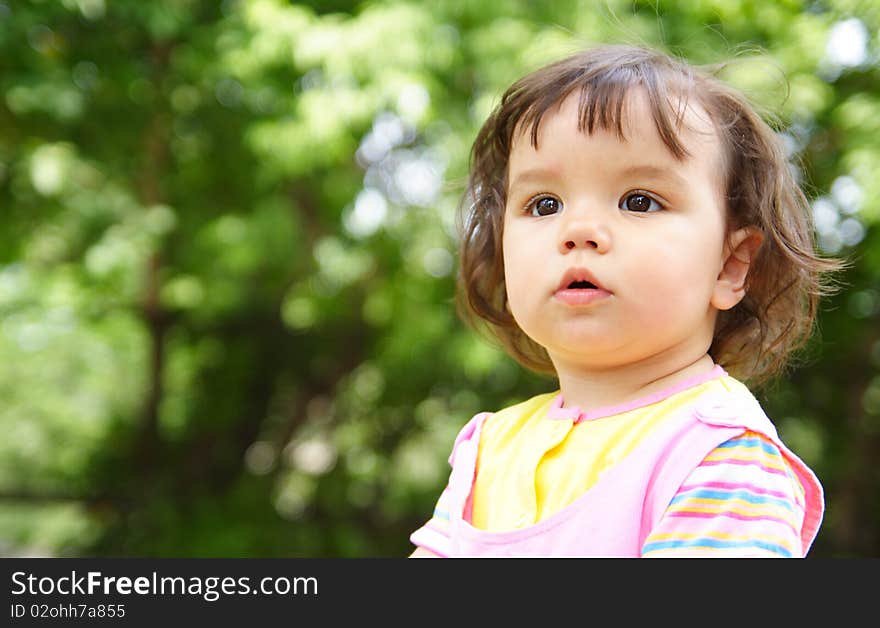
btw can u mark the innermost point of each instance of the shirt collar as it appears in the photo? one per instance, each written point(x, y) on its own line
point(556, 410)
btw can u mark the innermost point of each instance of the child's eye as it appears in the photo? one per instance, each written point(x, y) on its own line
point(543, 206)
point(639, 202)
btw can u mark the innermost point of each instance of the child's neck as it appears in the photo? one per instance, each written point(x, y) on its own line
point(589, 389)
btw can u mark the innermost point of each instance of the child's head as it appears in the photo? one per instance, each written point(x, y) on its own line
point(626, 168)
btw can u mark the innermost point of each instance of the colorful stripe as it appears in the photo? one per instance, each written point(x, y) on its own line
point(711, 496)
point(740, 514)
point(741, 500)
point(714, 514)
point(745, 463)
point(749, 443)
point(712, 544)
point(440, 514)
point(733, 486)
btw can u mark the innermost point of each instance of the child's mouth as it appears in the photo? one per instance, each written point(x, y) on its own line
point(580, 285)
point(580, 293)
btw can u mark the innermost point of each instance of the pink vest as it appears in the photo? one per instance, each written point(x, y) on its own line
point(616, 515)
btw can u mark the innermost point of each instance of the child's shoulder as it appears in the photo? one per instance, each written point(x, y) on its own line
point(513, 417)
point(730, 403)
point(529, 406)
point(522, 412)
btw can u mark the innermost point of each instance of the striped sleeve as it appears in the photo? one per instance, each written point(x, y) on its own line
point(743, 500)
point(434, 535)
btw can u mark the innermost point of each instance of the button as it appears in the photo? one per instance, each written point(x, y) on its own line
point(715, 407)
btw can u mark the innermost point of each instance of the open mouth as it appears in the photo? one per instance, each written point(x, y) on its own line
point(581, 285)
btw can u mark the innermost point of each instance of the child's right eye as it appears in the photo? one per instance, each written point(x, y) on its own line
point(543, 206)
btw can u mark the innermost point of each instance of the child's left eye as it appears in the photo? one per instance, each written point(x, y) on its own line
point(640, 202)
point(543, 206)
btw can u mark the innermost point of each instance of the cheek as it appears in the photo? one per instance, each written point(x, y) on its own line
point(514, 280)
point(519, 281)
point(510, 280)
point(679, 275)
point(513, 258)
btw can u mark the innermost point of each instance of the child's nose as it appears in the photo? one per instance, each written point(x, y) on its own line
point(586, 230)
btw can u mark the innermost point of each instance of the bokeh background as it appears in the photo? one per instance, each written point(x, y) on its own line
point(228, 253)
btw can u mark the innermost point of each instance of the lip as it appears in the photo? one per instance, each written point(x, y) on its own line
point(580, 296)
point(579, 273)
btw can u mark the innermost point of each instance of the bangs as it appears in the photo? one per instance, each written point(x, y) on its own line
point(603, 89)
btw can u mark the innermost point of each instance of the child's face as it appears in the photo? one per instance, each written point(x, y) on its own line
point(626, 215)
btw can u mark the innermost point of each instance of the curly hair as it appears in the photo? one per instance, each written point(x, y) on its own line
point(754, 340)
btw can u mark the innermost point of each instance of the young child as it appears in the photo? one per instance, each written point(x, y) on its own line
point(633, 227)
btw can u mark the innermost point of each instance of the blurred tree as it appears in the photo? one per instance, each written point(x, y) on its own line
point(228, 255)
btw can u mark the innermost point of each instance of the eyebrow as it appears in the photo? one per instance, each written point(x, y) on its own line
point(532, 174)
point(638, 170)
point(656, 172)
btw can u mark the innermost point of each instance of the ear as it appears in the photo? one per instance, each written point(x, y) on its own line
point(738, 253)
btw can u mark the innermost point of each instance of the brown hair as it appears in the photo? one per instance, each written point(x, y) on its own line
point(755, 339)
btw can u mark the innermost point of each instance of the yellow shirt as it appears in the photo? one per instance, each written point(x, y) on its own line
point(533, 463)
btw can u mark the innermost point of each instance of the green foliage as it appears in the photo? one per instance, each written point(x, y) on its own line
point(228, 254)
